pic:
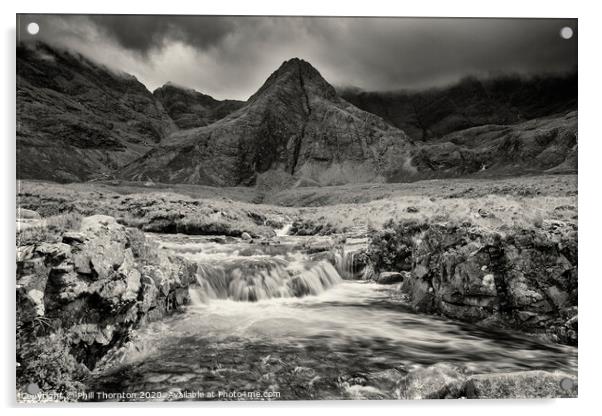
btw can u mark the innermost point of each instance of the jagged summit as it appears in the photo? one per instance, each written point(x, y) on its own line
point(297, 73)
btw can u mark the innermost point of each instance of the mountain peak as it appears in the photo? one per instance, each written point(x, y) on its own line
point(296, 73)
point(295, 62)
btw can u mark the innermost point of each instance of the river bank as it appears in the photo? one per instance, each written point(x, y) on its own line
point(93, 291)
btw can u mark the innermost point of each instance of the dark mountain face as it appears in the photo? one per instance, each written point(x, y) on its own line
point(76, 119)
point(294, 125)
point(535, 146)
point(190, 109)
point(431, 114)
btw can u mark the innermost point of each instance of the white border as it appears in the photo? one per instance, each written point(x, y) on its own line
point(590, 202)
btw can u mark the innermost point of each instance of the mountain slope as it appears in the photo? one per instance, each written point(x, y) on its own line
point(295, 125)
point(431, 114)
point(190, 109)
point(76, 119)
point(544, 145)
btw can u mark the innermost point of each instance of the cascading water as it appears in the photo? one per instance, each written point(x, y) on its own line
point(348, 259)
point(259, 278)
point(281, 232)
point(270, 317)
point(246, 272)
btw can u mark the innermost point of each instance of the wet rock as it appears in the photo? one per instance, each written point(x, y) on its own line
point(324, 256)
point(354, 379)
point(521, 385)
point(389, 278)
point(53, 253)
point(368, 273)
point(386, 380)
point(526, 280)
point(439, 381)
point(71, 237)
point(316, 245)
point(420, 293)
point(106, 281)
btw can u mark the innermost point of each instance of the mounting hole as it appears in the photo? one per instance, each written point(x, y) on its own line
point(566, 32)
point(566, 384)
point(33, 28)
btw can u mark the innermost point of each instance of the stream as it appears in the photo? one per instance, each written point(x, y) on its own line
point(270, 321)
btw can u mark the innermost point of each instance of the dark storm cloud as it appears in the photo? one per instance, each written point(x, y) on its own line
point(143, 33)
point(229, 57)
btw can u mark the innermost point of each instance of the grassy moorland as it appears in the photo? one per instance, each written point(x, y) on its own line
point(493, 205)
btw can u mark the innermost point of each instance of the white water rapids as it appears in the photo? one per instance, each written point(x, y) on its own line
point(270, 317)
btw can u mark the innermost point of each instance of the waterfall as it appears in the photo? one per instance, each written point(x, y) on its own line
point(350, 266)
point(254, 278)
point(344, 264)
point(284, 230)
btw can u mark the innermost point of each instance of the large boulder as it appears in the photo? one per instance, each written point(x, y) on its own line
point(98, 284)
point(389, 278)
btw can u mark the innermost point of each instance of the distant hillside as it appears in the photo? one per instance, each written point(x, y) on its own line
point(77, 119)
point(189, 108)
point(547, 144)
point(429, 114)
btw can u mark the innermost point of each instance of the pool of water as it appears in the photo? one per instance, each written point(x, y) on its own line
point(272, 322)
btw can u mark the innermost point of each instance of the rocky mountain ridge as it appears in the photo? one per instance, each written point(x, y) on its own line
point(189, 108)
point(502, 100)
point(295, 125)
point(80, 121)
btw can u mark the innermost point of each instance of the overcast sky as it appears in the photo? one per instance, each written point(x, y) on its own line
point(230, 57)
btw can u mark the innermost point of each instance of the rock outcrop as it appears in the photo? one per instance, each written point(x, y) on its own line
point(95, 286)
point(525, 279)
point(539, 145)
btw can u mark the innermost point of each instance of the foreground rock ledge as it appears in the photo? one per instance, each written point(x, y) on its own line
point(442, 381)
point(92, 289)
point(525, 279)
